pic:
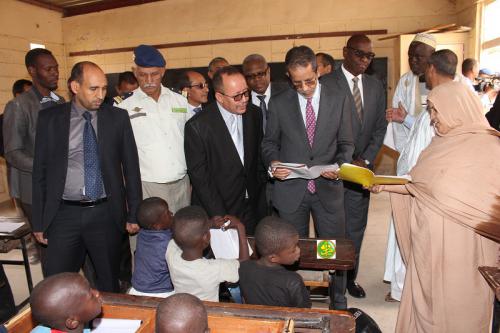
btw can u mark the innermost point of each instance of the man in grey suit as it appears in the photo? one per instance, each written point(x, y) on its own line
point(368, 102)
point(309, 125)
point(20, 118)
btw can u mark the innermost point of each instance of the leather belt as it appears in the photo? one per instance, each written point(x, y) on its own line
point(84, 203)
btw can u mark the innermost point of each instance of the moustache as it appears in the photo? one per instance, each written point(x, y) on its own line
point(150, 85)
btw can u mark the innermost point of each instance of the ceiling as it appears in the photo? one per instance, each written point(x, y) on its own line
point(79, 7)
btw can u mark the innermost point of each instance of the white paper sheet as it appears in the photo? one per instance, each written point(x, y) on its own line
point(225, 244)
point(9, 227)
point(302, 171)
point(109, 325)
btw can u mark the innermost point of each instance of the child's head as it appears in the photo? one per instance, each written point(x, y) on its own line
point(181, 313)
point(277, 241)
point(65, 302)
point(191, 228)
point(153, 214)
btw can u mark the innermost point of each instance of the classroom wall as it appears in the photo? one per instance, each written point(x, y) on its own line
point(20, 25)
point(191, 20)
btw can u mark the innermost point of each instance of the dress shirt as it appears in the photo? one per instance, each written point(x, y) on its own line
point(315, 103)
point(191, 109)
point(74, 188)
point(256, 100)
point(348, 75)
point(238, 142)
point(159, 133)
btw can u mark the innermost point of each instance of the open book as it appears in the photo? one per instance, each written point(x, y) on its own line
point(298, 170)
point(225, 244)
point(363, 176)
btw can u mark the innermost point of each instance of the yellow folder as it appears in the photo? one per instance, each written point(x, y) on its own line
point(363, 176)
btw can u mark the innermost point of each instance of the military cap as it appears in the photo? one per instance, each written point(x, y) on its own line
point(148, 56)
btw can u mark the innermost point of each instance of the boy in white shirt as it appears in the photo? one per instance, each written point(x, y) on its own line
point(190, 271)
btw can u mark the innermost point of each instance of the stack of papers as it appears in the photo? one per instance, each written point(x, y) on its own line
point(303, 171)
point(10, 224)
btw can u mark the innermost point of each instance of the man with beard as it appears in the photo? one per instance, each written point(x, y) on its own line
point(20, 120)
point(86, 180)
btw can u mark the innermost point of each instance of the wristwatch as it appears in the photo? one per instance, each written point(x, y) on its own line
point(367, 162)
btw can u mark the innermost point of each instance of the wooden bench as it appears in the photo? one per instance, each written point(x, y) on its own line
point(222, 317)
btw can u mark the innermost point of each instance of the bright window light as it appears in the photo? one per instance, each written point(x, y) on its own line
point(36, 46)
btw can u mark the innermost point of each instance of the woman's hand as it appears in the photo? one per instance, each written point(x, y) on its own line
point(375, 188)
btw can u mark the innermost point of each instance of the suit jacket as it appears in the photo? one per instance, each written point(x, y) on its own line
point(286, 141)
point(218, 177)
point(19, 128)
point(117, 155)
point(368, 134)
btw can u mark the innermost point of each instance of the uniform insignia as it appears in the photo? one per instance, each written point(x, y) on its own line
point(119, 99)
point(137, 109)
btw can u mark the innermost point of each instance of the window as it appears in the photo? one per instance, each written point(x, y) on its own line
point(490, 39)
point(36, 46)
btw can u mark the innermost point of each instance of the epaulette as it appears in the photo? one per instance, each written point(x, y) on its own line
point(119, 99)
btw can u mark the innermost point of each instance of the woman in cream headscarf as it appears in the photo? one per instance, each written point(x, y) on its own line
point(448, 219)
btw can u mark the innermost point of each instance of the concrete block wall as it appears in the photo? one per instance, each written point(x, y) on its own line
point(190, 20)
point(20, 25)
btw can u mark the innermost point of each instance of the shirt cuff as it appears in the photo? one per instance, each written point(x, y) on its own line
point(409, 121)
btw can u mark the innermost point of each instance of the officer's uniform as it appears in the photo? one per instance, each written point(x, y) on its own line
point(159, 133)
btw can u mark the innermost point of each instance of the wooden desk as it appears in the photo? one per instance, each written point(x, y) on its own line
point(222, 317)
point(344, 261)
point(20, 234)
point(492, 276)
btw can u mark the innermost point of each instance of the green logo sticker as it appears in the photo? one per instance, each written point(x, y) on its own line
point(179, 110)
point(326, 249)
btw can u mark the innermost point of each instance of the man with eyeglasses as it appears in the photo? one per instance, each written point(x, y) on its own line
point(310, 125)
point(194, 86)
point(258, 76)
point(158, 116)
point(222, 145)
point(368, 103)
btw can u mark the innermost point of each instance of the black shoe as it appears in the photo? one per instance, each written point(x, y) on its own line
point(355, 290)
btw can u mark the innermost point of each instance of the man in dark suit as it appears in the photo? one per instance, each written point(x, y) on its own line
point(222, 146)
point(85, 178)
point(367, 99)
point(309, 125)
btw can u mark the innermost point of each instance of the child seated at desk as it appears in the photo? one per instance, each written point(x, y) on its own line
point(265, 281)
point(181, 313)
point(190, 271)
point(151, 276)
point(64, 303)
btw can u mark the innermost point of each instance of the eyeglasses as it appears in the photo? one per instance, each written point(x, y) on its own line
point(258, 75)
point(360, 54)
point(199, 85)
point(309, 83)
point(239, 96)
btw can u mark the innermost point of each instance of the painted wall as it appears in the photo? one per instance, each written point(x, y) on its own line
point(20, 25)
point(190, 20)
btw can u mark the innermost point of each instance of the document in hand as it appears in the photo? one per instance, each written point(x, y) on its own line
point(303, 171)
point(363, 176)
point(225, 244)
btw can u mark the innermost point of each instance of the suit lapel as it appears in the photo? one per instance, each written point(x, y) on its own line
point(62, 124)
point(322, 123)
point(296, 118)
point(356, 122)
point(368, 98)
point(248, 135)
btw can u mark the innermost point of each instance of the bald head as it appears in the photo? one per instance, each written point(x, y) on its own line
point(355, 40)
point(181, 313)
point(64, 301)
point(88, 84)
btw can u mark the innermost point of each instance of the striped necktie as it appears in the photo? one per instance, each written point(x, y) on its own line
point(310, 129)
point(358, 102)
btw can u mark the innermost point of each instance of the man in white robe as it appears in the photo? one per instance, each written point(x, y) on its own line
point(406, 106)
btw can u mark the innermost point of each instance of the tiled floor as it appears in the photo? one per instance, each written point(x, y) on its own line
point(370, 272)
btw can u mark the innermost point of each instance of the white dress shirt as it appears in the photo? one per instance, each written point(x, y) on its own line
point(349, 78)
point(159, 134)
point(234, 124)
point(256, 100)
point(315, 103)
point(191, 108)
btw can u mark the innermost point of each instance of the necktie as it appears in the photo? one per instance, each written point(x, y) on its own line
point(358, 102)
point(92, 169)
point(197, 109)
point(310, 129)
point(237, 136)
point(263, 108)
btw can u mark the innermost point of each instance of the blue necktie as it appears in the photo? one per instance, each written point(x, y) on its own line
point(197, 109)
point(92, 170)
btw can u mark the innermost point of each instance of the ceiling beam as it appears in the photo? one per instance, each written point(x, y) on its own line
point(100, 6)
point(234, 40)
point(45, 5)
